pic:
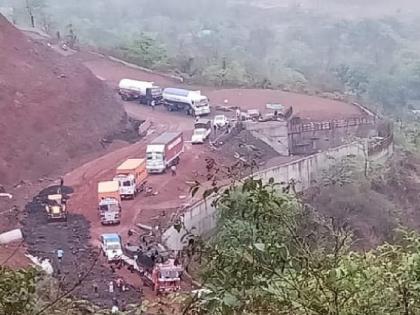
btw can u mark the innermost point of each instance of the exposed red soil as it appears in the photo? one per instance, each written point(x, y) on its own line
point(305, 106)
point(13, 256)
point(53, 110)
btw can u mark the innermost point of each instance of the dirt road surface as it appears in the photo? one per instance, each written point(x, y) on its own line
point(172, 191)
point(305, 106)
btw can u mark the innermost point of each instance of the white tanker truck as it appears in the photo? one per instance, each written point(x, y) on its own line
point(191, 102)
point(143, 91)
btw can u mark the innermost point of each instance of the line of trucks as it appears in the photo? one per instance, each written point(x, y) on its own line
point(174, 99)
point(131, 176)
point(161, 271)
point(130, 179)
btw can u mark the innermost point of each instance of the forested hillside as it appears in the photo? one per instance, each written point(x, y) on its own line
point(372, 51)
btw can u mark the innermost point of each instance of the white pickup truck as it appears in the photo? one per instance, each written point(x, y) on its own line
point(202, 130)
point(111, 246)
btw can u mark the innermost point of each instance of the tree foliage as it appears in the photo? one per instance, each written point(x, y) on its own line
point(271, 255)
point(231, 43)
point(17, 291)
point(145, 51)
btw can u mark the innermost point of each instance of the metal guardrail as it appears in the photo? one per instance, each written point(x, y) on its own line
point(329, 125)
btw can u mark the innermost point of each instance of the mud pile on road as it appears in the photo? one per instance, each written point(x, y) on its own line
point(43, 239)
point(241, 144)
point(53, 110)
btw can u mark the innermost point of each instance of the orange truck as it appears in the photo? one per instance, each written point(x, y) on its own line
point(109, 202)
point(131, 176)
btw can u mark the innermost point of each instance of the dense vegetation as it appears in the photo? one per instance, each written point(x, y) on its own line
point(241, 43)
point(272, 255)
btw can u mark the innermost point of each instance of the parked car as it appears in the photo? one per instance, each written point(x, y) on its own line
point(220, 121)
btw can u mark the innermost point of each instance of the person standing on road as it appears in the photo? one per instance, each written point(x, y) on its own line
point(95, 288)
point(119, 284)
point(111, 286)
point(60, 254)
point(153, 104)
point(173, 170)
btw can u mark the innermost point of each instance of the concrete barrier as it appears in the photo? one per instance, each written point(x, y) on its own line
point(11, 236)
point(201, 217)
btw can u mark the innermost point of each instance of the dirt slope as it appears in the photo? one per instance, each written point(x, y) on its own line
point(53, 111)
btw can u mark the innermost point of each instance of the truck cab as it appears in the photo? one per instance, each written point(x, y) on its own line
point(131, 176)
point(153, 93)
point(160, 271)
point(109, 202)
point(202, 130)
point(127, 184)
point(111, 246)
point(164, 151)
point(192, 102)
point(166, 277)
point(109, 211)
point(156, 158)
point(143, 91)
point(200, 104)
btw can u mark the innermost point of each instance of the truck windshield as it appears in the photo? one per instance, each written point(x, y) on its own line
point(113, 246)
point(199, 132)
point(154, 156)
point(202, 103)
point(126, 183)
point(168, 274)
point(109, 207)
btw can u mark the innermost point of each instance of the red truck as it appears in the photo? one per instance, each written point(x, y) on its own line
point(164, 151)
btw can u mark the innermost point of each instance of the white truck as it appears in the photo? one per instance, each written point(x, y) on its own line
point(109, 202)
point(202, 130)
point(192, 102)
point(143, 91)
point(164, 151)
point(131, 176)
point(111, 246)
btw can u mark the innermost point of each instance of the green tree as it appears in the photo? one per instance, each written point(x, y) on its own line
point(226, 74)
point(17, 291)
point(145, 51)
point(271, 255)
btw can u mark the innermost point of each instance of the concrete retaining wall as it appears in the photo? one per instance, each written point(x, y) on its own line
point(274, 133)
point(201, 218)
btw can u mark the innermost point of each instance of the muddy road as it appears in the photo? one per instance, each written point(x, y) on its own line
point(81, 260)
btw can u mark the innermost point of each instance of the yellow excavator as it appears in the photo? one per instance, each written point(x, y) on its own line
point(56, 208)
